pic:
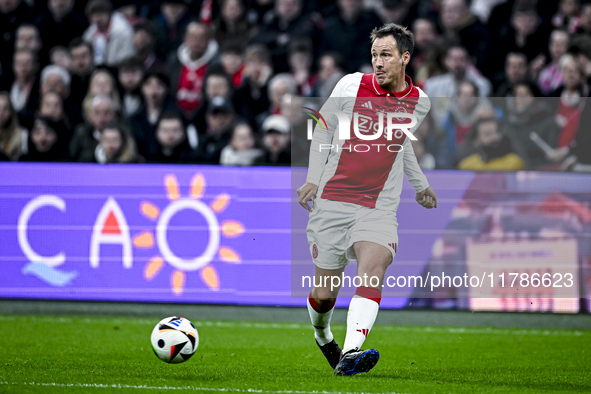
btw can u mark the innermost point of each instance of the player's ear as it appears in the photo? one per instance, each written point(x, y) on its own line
point(406, 58)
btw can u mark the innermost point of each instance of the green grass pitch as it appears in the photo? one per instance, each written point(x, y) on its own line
point(50, 354)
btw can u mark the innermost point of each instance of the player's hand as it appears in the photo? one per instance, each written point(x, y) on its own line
point(427, 198)
point(305, 194)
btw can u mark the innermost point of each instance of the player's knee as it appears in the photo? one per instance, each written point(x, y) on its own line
point(325, 295)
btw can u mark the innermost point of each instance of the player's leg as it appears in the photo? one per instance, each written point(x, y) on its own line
point(321, 303)
point(327, 230)
point(373, 259)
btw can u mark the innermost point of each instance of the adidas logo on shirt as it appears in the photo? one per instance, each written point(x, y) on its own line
point(367, 105)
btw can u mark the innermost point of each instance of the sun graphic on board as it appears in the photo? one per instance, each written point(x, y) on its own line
point(227, 229)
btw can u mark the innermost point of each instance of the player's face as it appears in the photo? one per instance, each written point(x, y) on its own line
point(388, 63)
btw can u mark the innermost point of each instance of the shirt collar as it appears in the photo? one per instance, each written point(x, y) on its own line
point(400, 95)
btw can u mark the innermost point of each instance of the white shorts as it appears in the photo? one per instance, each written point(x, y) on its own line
point(334, 226)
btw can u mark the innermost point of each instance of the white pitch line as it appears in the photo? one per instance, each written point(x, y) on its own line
point(182, 388)
point(306, 326)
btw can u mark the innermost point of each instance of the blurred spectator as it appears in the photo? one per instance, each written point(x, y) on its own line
point(129, 9)
point(252, 99)
point(241, 150)
point(292, 109)
point(425, 34)
point(156, 100)
point(550, 77)
point(27, 37)
point(492, 150)
point(516, 70)
point(109, 32)
point(48, 141)
point(13, 138)
point(144, 43)
point(131, 73)
point(60, 56)
point(220, 119)
point(572, 96)
point(585, 20)
point(440, 87)
point(483, 8)
point(331, 69)
point(300, 65)
point(24, 90)
point(102, 83)
point(463, 113)
point(13, 13)
point(580, 48)
point(525, 33)
point(425, 159)
point(82, 68)
point(171, 135)
point(404, 12)
point(348, 32)
point(242, 74)
point(60, 23)
point(232, 62)
point(52, 106)
point(458, 23)
point(233, 26)
point(279, 86)
point(432, 141)
point(276, 138)
point(578, 151)
point(55, 79)
point(188, 65)
point(281, 27)
point(258, 9)
point(170, 25)
point(115, 145)
point(102, 112)
point(568, 16)
point(527, 114)
point(217, 84)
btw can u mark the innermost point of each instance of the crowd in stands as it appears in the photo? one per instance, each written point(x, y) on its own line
point(212, 81)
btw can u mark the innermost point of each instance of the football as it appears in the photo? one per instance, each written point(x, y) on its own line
point(174, 339)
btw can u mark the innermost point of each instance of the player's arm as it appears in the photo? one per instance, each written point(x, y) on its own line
point(425, 195)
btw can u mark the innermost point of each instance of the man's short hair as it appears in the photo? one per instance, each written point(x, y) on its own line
point(404, 37)
point(532, 87)
point(131, 63)
point(220, 74)
point(524, 8)
point(144, 26)
point(455, 45)
point(54, 69)
point(257, 51)
point(301, 45)
point(336, 57)
point(98, 6)
point(233, 48)
point(157, 73)
point(78, 42)
point(172, 115)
